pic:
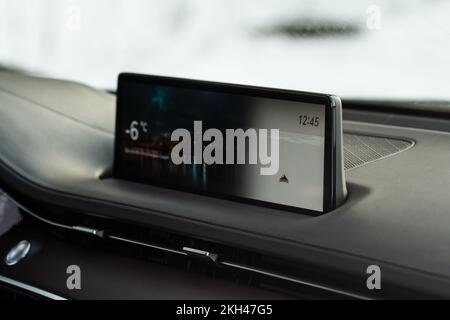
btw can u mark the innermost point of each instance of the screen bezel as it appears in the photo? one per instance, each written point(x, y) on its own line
point(281, 94)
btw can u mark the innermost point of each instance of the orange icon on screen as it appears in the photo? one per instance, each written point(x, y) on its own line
point(284, 179)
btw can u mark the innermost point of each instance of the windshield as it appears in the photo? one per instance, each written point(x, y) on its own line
point(391, 49)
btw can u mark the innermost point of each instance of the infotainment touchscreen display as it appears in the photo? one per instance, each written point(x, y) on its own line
point(265, 146)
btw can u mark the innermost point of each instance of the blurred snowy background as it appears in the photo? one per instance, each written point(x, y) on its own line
point(354, 48)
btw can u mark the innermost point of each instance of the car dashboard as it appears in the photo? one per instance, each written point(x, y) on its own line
point(135, 241)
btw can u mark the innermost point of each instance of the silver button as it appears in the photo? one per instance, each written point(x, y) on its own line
point(18, 252)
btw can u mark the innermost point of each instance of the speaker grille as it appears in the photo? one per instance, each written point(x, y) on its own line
point(363, 149)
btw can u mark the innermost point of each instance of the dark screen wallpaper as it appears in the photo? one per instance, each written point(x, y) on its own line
point(166, 109)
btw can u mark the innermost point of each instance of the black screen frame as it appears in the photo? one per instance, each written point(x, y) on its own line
point(253, 91)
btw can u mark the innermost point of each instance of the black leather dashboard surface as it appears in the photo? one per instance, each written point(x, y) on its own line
point(57, 146)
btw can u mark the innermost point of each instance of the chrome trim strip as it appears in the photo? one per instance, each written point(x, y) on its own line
point(201, 253)
point(52, 223)
point(179, 252)
point(298, 281)
point(85, 230)
point(247, 268)
point(148, 245)
point(26, 287)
